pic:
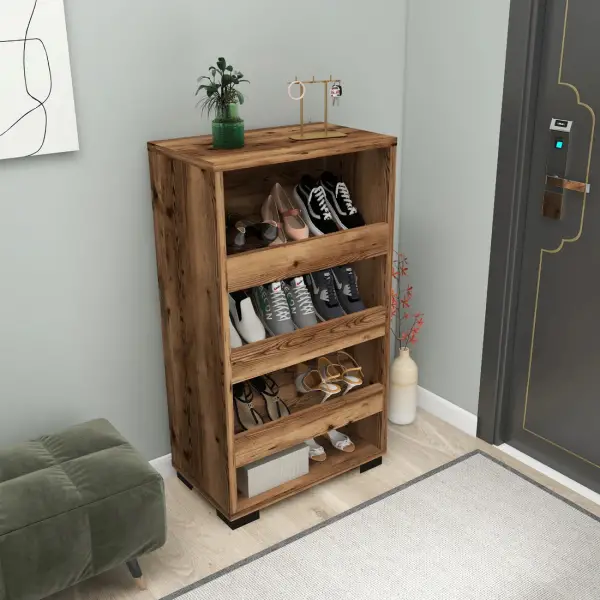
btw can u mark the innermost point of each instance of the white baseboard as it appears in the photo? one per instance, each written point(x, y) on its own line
point(164, 466)
point(443, 409)
point(467, 422)
point(545, 470)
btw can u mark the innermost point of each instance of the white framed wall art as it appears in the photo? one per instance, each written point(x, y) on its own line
point(37, 108)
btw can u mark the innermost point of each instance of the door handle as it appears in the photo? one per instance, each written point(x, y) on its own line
point(567, 184)
point(556, 162)
point(553, 198)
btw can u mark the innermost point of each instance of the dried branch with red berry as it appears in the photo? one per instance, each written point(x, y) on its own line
point(409, 323)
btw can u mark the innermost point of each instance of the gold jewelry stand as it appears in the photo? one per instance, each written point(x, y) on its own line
point(326, 132)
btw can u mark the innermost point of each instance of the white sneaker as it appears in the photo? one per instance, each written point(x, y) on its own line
point(245, 320)
point(235, 341)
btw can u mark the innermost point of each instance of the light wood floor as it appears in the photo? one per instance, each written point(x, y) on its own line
point(199, 543)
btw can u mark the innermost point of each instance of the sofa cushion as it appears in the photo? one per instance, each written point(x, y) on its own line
point(73, 505)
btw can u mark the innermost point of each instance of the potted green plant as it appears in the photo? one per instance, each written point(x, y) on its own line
point(223, 100)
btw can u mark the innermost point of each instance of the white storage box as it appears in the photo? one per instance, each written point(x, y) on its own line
point(269, 472)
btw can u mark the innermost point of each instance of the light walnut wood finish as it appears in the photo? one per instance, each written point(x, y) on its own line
point(269, 147)
point(307, 423)
point(249, 269)
point(199, 544)
point(372, 175)
point(303, 344)
point(194, 187)
point(337, 463)
point(246, 190)
point(190, 259)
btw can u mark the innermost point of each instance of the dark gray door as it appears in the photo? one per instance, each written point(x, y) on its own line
point(554, 408)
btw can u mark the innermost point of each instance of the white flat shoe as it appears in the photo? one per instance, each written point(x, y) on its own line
point(235, 341)
point(244, 318)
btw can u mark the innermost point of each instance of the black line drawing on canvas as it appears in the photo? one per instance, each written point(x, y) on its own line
point(40, 103)
point(30, 126)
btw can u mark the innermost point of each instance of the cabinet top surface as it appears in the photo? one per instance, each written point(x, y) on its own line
point(270, 146)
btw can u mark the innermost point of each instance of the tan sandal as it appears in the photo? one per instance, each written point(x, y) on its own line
point(352, 375)
point(316, 452)
point(341, 441)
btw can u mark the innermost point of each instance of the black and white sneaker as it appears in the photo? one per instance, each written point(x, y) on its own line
point(311, 199)
point(345, 214)
point(346, 287)
point(324, 298)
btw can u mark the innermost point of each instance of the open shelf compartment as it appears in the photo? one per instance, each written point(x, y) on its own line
point(289, 349)
point(257, 267)
point(337, 463)
point(307, 423)
point(361, 413)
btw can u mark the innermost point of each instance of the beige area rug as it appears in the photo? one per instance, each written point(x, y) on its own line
point(473, 529)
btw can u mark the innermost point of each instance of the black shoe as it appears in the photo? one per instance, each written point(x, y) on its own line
point(236, 238)
point(246, 234)
point(345, 214)
point(346, 287)
point(311, 199)
point(322, 291)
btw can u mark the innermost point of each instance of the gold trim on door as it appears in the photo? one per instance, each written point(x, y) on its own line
point(564, 241)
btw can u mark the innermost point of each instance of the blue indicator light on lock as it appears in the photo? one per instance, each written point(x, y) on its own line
point(559, 144)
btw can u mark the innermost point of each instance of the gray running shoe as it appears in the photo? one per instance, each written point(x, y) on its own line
point(272, 308)
point(322, 291)
point(298, 299)
point(346, 287)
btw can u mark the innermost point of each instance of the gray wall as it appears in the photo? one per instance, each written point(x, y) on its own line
point(454, 79)
point(79, 315)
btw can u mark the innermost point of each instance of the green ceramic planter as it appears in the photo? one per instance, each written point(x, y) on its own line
point(228, 129)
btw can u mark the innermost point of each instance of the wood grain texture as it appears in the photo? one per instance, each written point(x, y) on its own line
point(167, 259)
point(190, 258)
point(226, 347)
point(304, 344)
point(270, 146)
point(307, 423)
point(373, 179)
point(337, 463)
point(193, 187)
point(246, 190)
point(249, 269)
point(200, 544)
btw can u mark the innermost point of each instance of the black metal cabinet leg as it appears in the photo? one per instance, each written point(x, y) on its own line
point(241, 521)
point(136, 572)
point(371, 464)
point(184, 481)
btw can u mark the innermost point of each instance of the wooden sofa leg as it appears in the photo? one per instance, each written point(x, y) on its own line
point(136, 572)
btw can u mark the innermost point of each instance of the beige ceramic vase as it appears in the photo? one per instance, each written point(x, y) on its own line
point(404, 378)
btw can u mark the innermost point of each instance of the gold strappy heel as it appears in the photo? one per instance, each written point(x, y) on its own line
point(311, 380)
point(352, 375)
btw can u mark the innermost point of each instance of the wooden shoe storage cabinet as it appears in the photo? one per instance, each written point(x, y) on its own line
point(193, 188)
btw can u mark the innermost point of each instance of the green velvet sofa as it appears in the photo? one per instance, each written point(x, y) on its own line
point(73, 505)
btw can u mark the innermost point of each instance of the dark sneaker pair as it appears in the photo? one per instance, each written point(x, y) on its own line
point(326, 205)
point(334, 292)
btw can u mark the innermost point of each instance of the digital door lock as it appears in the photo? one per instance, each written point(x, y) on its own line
point(556, 166)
